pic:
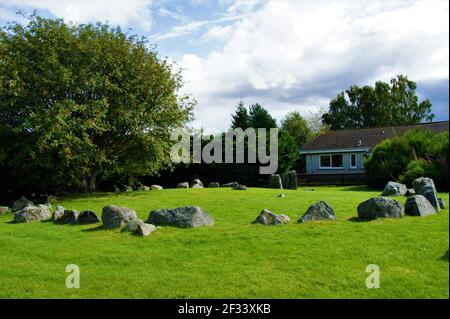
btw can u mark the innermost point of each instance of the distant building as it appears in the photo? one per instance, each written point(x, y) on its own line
point(337, 157)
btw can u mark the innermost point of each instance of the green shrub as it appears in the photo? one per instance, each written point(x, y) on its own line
point(417, 153)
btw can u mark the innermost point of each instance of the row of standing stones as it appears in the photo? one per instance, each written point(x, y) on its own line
point(424, 202)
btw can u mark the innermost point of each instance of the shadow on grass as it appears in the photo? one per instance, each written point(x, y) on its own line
point(445, 256)
point(98, 228)
point(358, 220)
point(360, 188)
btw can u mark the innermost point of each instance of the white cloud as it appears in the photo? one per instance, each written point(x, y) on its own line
point(117, 12)
point(297, 55)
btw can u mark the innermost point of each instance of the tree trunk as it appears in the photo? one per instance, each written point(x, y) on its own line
point(92, 181)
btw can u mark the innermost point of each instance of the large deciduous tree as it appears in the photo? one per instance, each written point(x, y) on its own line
point(394, 103)
point(77, 101)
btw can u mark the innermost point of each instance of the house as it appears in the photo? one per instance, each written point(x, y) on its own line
point(337, 157)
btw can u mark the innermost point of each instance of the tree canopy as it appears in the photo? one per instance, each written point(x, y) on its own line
point(77, 101)
point(394, 103)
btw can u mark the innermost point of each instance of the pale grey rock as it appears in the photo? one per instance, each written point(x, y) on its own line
point(318, 211)
point(394, 189)
point(156, 187)
point(4, 210)
point(31, 213)
point(115, 216)
point(266, 217)
point(183, 185)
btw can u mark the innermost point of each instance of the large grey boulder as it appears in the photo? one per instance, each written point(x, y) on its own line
point(394, 189)
point(183, 185)
point(289, 180)
point(266, 217)
point(115, 216)
point(232, 184)
point(377, 207)
point(4, 210)
point(425, 186)
point(143, 188)
point(31, 213)
point(140, 228)
point(213, 185)
point(418, 205)
point(21, 203)
point(127, 188)
point(196, 183)
point(156, 187)
point(184, 217)
point(240, 187)
point(410, 192)
point(318, 211)
point(275, 181)
point(441, 203)
point(88, 217)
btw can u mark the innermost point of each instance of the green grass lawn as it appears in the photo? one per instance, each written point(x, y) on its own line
point(234, 258)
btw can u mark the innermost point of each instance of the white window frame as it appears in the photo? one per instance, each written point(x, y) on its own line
point(356, 161)
point(331, 162)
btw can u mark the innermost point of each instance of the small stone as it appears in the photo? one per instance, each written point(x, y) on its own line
point(275, 181)
point(21, 204)
point(4, 210)
point(240, 187)
point(266, 217)
point(213, 185)
point(196, 183)
point(58, 213)
point(319, 211)
point(232, 184)
point(88, 217)
point(394, 189)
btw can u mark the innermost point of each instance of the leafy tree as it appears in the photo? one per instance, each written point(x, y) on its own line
point(240, 119)
point(82, 101)
point(297, 127)
point(417, 153)
point(384, 104)
point(260, 117)
point(288, 151)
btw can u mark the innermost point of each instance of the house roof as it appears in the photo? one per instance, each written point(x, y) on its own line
point(367, 138)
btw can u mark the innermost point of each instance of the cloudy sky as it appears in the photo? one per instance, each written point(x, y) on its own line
point(285, 55)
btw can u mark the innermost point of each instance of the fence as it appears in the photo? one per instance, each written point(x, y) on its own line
point(331, 179)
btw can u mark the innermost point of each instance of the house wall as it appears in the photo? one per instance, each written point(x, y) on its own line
point(313, 164)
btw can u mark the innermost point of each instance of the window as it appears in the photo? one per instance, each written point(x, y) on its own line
point(331, 161)
point(325, 161)
point(353, 161)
